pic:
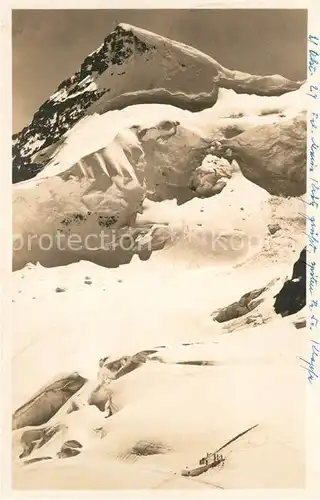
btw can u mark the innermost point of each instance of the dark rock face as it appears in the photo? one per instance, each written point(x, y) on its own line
point(74, 96)
point(292, 296)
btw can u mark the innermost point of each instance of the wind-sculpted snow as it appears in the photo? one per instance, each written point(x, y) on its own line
point(189, 102)
point(105, 190)
point(132, 66)
point(244, 83)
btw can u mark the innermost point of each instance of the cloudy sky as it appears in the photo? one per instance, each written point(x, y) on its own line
point(50, 45)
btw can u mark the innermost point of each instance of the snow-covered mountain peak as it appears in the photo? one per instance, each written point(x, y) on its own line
point(131, 66)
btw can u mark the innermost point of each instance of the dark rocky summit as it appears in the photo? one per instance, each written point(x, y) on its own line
point(69, 104)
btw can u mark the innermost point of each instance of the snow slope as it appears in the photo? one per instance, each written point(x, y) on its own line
point(170, 412)
point(179, 411)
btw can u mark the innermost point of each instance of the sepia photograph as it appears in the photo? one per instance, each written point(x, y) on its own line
point(159, 249)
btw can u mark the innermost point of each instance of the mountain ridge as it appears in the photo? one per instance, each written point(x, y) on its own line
point(132, 66)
